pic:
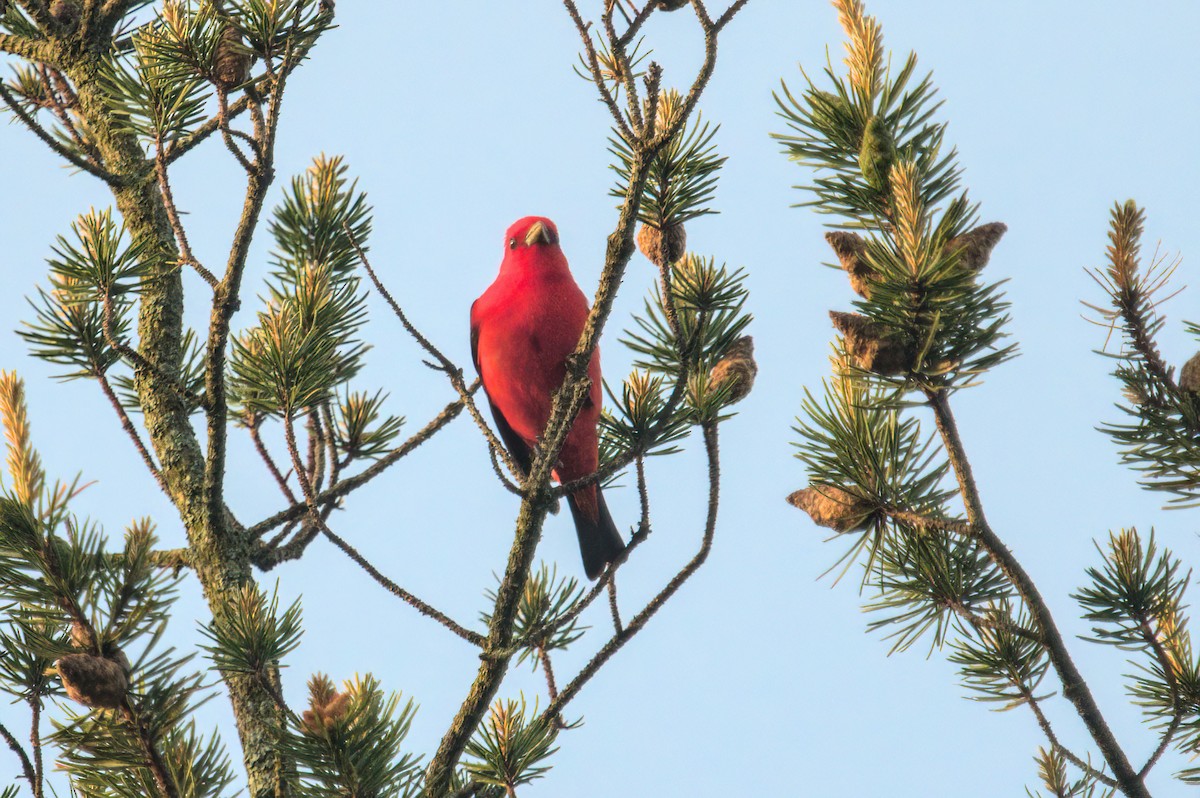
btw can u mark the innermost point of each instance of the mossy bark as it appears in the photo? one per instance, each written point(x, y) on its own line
point(220, 551)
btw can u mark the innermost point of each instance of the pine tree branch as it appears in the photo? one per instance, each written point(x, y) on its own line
point(613, 609)
point(154, 761)
point(219, 553)
point(562, 621)
point(228, 134)
point(593, 62)
point(227, 297)
point(59, 107)
point(1075, 689)
point(26, 765)
point(624, 67)
point(636, 23)
point(956, 526)
point(420, 606)
point(131, 431)
point(328, 497)
point(29, 49)
point(30, 122)
point(643, 495)
point(35, 742)
point(639, 621)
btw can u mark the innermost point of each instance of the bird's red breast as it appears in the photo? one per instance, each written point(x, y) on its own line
point(524, 326)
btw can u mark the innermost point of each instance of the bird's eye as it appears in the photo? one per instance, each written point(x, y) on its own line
point(512, 243)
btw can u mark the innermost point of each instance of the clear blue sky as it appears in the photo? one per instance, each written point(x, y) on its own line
point(757, 679)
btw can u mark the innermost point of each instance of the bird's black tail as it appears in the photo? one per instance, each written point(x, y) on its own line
point(599, 540)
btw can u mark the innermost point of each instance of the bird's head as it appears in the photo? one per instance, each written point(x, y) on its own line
point(531, 232)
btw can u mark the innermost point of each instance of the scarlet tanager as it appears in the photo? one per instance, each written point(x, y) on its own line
point(523, 328)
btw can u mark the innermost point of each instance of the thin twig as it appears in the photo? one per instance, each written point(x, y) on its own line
point(420, 606)
point(613, 609)
point(955, 526)
point(328, 497)
point(261, 448)
point(154, 762)
point(636, 23)
point(639, 621)
point(131, 431)
point(227, 133)
point(445, 364)
point(35, 742)
point(136, 359)
point(30, 122)
point(1067, 753)
point(1168, 667)
point(593, 63)
point(185, 249)
point(625, 69)
point(182, 146)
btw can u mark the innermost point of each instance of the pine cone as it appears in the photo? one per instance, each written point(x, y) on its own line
point(850, 249)
point(876, 154)
point(834, 508)
point(65, 12)
point(737, 369)
point(94, 681)
point(231, 62)
point(1189, 375)
point(871, 345)
point(650, 240)
point(974, 247)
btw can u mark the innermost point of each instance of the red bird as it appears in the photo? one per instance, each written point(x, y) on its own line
point(522, 329)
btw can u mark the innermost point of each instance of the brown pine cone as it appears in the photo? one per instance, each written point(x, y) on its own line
point(831, 507)
point(974, 247)
point(871, 345)
point(737, 368)
point(650, 241)
point(93, 681)
point(850, 249)
point(231, 62)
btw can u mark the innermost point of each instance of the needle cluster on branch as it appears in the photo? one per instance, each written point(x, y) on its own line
point(926, 325)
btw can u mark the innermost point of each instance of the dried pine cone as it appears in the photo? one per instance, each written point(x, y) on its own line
point(93, 681)
point(231, 63)
point(835, 508)
point(873, 348)
point(650, 241)
point(737, 368)
point(1189, 375)
point(974, 247)
point(65, 12)
point(850, 249)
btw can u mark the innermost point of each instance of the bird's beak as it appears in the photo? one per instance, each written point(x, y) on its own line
point(539, 233)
